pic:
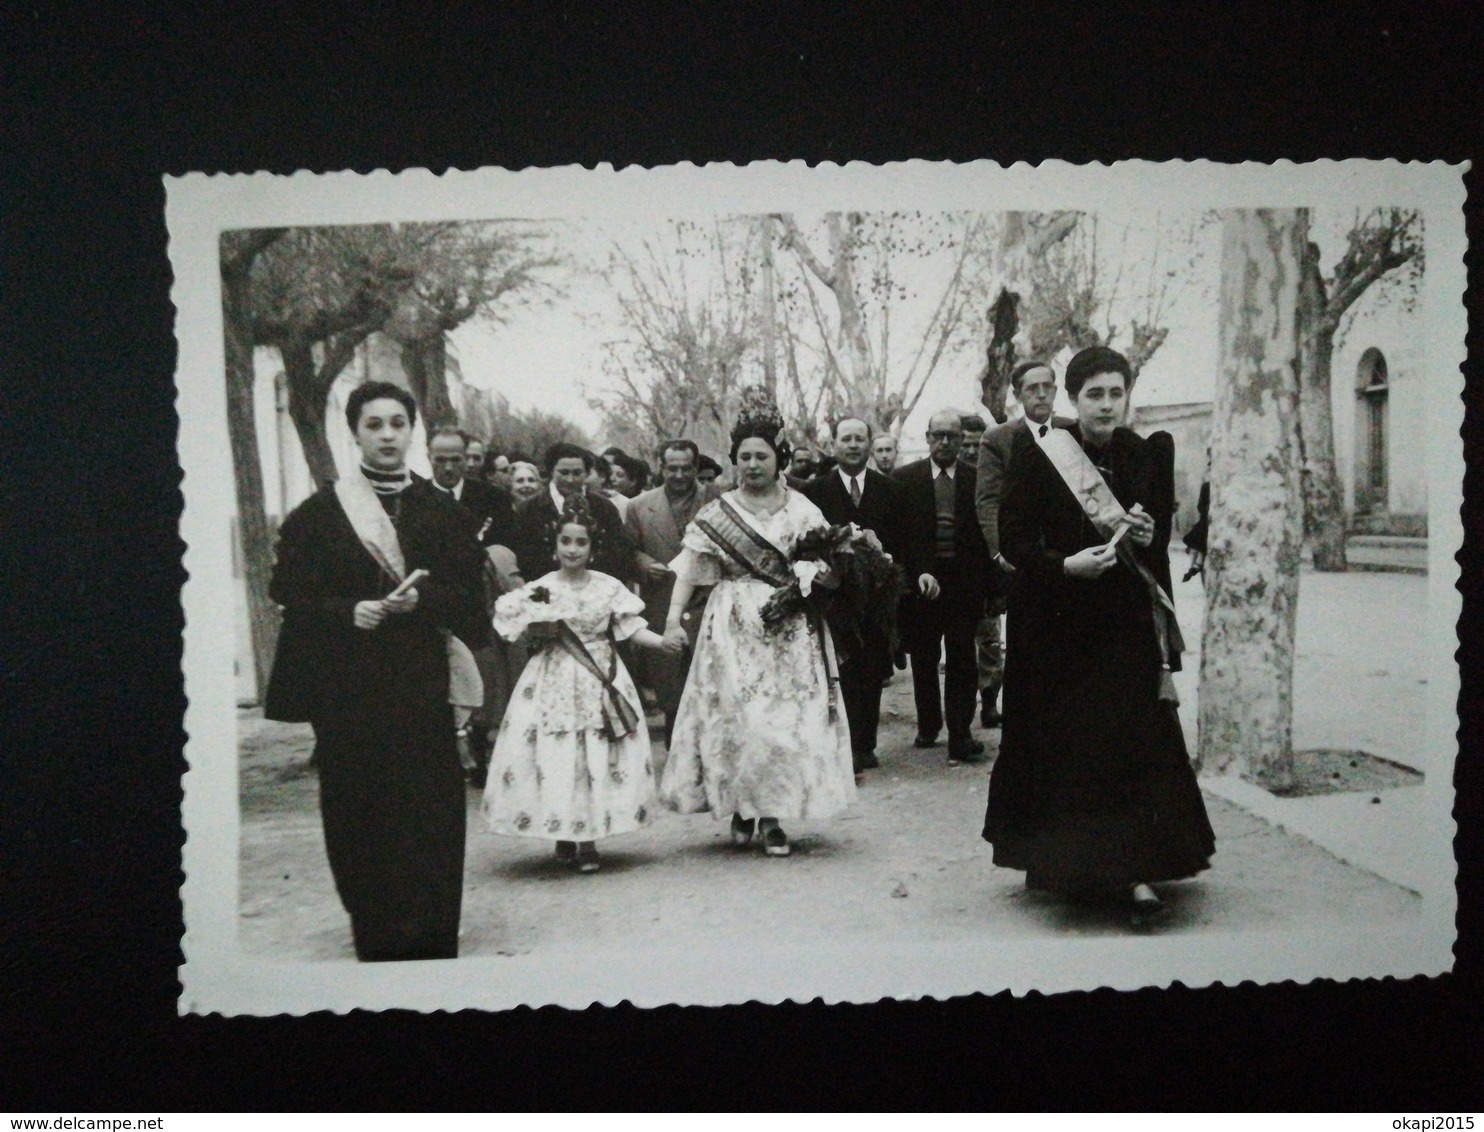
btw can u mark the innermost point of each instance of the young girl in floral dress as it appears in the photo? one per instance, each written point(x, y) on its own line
point(572, 761)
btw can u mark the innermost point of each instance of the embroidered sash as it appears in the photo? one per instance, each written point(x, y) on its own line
point(746, 546)
point(373, 526)
point(1101, 506)
point(620, 717)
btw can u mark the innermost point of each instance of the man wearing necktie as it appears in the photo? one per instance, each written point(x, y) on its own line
point(948, 564)
point(851, 492)
point(1034, 385)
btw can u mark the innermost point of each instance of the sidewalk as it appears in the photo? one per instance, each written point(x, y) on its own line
point(1360, 682)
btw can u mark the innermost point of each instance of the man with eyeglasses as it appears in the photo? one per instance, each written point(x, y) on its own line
point(948, 565)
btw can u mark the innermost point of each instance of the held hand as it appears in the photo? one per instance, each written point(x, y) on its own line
point(404, 602)
point(1141, 526)
point(1004, 564)
point(1090, 563)
point(927, 585)
point(369, 614)
point(672, 645)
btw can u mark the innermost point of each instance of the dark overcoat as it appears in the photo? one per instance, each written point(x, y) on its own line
point(880, 511)
point(1092, 787)
point(391, 787)
point(493, 511)
point(919, 535)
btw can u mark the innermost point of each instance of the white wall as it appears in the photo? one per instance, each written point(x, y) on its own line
point(1393, 332)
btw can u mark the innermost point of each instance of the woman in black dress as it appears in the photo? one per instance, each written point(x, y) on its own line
point(375, 675)
point(1092, 793)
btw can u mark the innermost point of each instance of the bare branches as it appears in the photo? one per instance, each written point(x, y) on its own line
point(687, 342)
point(1380, 243)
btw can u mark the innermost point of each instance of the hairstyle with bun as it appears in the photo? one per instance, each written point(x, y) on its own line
point(575, 510)
point(759, 419)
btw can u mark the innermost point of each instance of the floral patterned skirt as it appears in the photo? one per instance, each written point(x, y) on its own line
point(753, 734)
point(565, 785)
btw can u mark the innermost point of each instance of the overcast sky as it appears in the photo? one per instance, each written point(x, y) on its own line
point(551, 356)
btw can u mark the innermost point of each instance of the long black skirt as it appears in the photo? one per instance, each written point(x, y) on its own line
point(1092, 789)
point(393, 803)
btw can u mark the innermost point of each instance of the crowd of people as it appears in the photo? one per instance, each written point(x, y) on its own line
point(517, 625)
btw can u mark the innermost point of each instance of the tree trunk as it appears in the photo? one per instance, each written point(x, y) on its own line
point(854, 334)
point(425, 361)
point(768, 308)
point(307, 395)
point(1246, 690)
point(247, 472)
point(1000, 356)
point(1324, 502)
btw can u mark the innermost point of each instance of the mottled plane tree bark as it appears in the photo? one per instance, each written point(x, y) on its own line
point(1252, 566)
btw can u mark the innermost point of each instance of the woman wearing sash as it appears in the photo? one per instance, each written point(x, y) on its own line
point(1092, 793)
point(760, 734)
point(572, 762)
point(381, 678)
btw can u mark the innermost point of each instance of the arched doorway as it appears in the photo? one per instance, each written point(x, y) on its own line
point(1371, 389)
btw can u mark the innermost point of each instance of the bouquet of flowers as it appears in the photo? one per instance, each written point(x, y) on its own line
point(535, 611)
point(864, 585)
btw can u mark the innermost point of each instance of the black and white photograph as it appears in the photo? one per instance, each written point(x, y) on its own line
point(711, 584)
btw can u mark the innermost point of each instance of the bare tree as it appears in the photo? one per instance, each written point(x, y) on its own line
point(1023, 239)
point(689, 335)
point(1246, 688)
point(863, 275)
point(1072, 303)
point(238, 251)
point(316, 294)
point(1384, 244)
point(461, 270)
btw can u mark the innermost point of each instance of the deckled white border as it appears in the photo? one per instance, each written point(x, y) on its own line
point(219, 977)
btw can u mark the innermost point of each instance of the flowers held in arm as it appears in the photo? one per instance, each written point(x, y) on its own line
point(842, 574)
point(544, 626)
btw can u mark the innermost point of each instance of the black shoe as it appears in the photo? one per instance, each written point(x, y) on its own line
point(587, 857)
point(923, 741)
point(742, 830)
point(969, 751)
point(1145, 907)
point(566, 850)
point(989, 717)
point(867, 760)
point(775, 842)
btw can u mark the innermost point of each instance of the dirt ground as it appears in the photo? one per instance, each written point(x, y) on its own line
point(904, 864)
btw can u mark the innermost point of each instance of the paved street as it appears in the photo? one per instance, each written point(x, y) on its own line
point(904, 864)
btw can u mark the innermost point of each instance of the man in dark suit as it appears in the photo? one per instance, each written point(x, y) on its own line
point(494, 514)
point(568, 466)
point(656, 523)
point(851, 492)
point(946, 556)
point(1034, 384)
